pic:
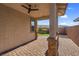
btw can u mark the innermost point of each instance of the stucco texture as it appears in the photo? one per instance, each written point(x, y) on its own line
point(14, 28)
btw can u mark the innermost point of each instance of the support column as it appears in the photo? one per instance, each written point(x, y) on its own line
point(52, 41)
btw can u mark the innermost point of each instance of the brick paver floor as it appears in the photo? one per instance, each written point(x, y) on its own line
point(39, 47)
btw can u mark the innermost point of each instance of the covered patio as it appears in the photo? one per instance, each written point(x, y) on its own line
point(16, 30)
point(43, 11)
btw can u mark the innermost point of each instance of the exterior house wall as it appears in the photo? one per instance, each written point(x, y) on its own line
point(14, 28)
point(73, 33)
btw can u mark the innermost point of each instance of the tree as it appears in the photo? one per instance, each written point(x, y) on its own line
point(76, 20)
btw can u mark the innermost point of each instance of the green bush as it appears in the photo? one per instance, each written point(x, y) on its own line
point(43, 31)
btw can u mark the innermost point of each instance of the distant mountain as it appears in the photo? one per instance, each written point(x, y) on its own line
point(43, 26)
point(47, 26)
point(62, 26)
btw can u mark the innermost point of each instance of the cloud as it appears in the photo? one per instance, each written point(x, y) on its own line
point(69, 24)
point(63, 24)
point(65, 16)
point(69, 8)
point(73, 24)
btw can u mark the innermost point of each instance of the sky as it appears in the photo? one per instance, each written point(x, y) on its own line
point(72, 12)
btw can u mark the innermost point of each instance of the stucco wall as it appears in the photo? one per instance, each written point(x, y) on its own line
point(14, 28)
point(73, 33)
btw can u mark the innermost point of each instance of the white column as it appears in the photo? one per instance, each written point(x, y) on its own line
point(52, 41)
point(53, 20)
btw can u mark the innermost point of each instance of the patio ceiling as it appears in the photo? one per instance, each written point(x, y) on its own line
point(43, 9)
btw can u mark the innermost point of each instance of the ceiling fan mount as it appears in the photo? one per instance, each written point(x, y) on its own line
point(29, 8)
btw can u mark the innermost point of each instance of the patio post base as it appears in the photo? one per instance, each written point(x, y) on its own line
point(52, 47)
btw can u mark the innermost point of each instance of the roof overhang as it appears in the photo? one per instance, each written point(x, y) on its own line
point(61, 8)
point(43, 11)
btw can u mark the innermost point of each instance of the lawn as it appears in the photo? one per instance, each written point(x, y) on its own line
point(43, 34)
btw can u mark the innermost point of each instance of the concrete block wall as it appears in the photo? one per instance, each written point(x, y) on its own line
point(73, 34)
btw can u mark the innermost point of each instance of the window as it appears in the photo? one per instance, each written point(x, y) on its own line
point(32, 25)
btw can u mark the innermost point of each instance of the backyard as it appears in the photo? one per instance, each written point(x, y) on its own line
point(43, 34)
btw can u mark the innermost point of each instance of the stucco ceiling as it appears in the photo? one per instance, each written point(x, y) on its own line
point(43, 9)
